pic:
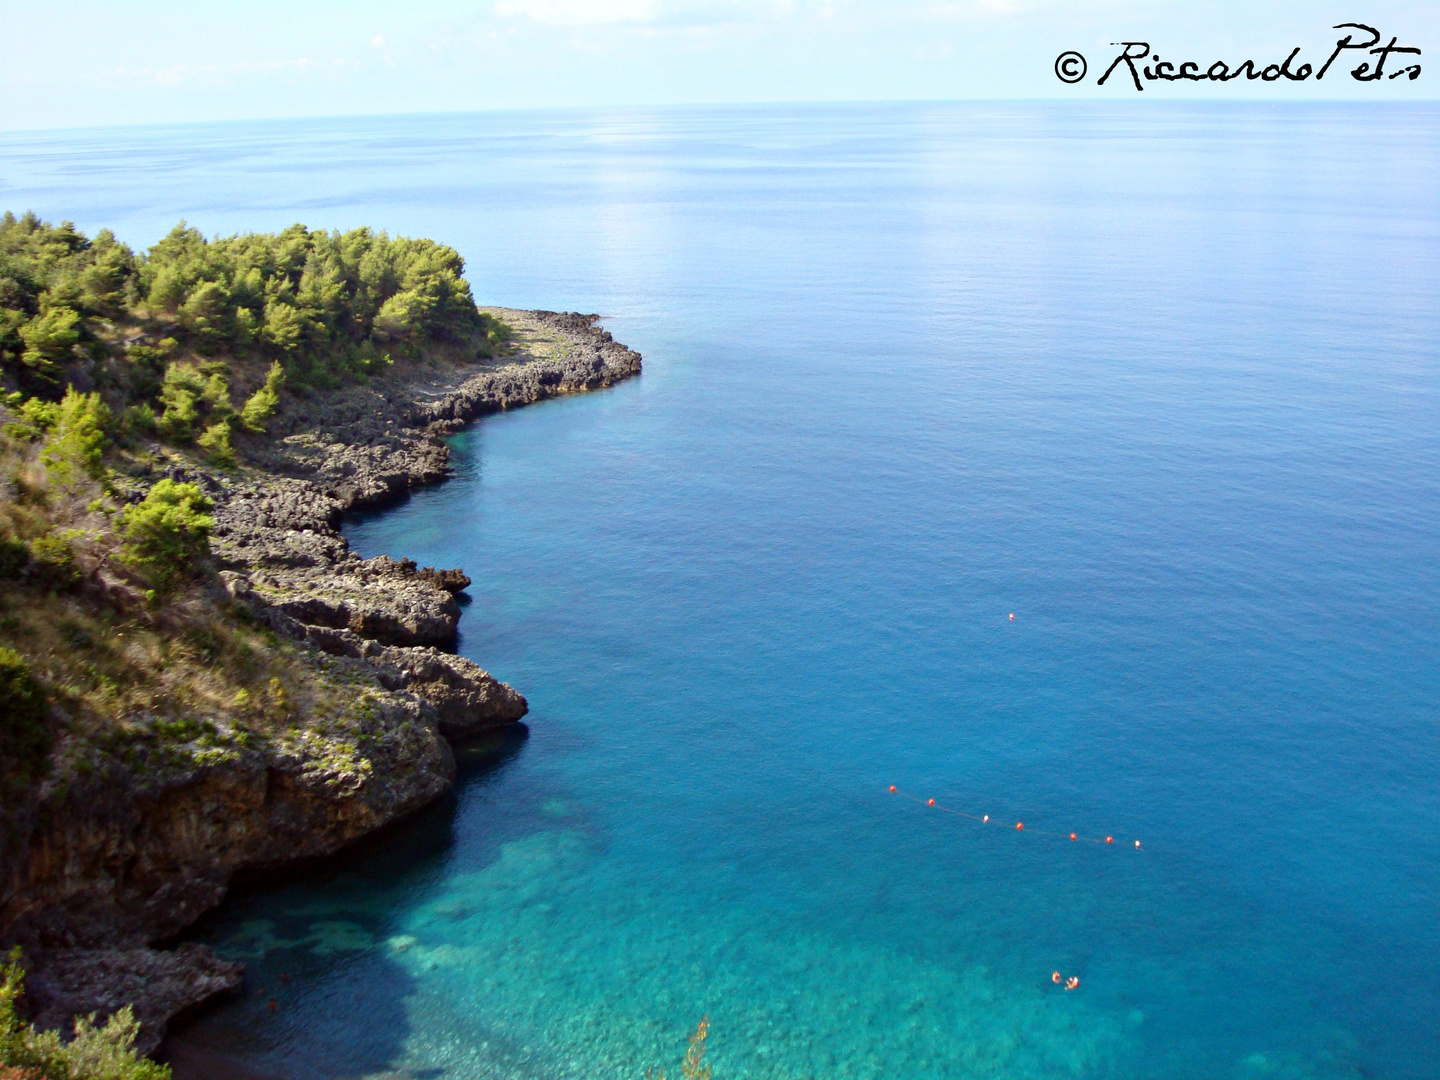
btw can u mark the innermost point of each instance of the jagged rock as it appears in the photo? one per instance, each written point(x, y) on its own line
point(365, 446)
point(159, 985)
point(466, 698)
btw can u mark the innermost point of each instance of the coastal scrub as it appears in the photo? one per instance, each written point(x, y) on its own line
point(106, 1052)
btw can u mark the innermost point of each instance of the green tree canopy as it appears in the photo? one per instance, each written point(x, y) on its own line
point(328, 304)
point(164, 535)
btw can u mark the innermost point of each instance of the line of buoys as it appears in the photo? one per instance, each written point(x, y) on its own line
point(984, 819)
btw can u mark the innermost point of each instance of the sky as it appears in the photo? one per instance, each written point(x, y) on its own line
point(71, 64)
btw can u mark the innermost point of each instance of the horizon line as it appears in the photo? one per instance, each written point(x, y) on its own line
point(798, 103)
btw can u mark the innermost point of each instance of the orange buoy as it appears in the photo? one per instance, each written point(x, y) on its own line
point(1019, 824)
point(1072, 836)
point(1109, 839)
point(1055, 976)
point(892, 789)
point(930, 803)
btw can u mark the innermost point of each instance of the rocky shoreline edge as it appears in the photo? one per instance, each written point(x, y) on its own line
point(120, 862)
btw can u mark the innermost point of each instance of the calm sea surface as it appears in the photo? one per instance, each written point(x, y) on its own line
point(1164, 382)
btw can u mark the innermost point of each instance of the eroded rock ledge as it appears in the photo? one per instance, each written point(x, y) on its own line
point(133, 852)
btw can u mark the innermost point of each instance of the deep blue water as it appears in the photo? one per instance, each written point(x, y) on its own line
point(1162, 381)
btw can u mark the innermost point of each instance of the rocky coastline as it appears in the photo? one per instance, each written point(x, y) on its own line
point(110, 865)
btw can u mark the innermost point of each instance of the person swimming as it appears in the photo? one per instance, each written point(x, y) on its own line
point(1072, 982)
point(1055, 976)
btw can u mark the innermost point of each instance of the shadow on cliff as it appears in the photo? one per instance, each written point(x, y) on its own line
point(325, 992)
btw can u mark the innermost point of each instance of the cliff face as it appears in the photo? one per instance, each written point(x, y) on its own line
point(136, 852)
point(124, 851)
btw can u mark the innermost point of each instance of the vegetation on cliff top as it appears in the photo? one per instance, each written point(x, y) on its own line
point(118, 367)
point(328, 306)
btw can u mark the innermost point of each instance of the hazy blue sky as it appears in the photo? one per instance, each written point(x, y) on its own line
point(148, 61)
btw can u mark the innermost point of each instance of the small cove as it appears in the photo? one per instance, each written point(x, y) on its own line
point(1151, 380)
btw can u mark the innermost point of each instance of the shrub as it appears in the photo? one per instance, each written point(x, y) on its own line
point(216, 443)
point(217, 396)
point(263, 403)
point(139, 420)
point(494, 334)
point(102, 284)
point(166, 534)
point(24, 725)
point(247, 327)
point(43, 414)
point(52, 561)
point(37, 416)
point(49, 337)
point(181, 394)
point(206, 313)
point(284, 328)
point(77, 444)
point(95, 1053)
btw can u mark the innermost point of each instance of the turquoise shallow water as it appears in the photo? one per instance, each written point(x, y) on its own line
point(1163, 382)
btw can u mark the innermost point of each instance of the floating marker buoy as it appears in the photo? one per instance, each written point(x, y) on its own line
point(985, 819)
point(1055, 976)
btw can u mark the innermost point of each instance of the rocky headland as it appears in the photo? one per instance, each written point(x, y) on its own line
point(121, 852)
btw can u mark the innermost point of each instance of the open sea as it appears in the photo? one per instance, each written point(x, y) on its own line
point(1163, 381)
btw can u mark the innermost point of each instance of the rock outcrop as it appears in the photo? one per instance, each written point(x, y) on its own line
point(132, 851)
point(159, 985)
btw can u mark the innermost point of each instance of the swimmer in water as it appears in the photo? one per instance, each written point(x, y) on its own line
point(1055, 976)
point(1072, 982)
